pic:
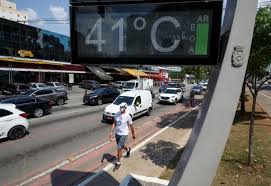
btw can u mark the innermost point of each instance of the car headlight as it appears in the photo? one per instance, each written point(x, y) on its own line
point(172, 96)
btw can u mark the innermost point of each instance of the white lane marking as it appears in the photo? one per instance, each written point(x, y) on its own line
point(95, 148)
point(265, 95)
point(110, 166)
point(89, 179)
point(65, 162)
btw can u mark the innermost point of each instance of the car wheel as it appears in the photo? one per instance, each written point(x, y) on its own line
point(16, 132)
point(149, 112)
point(38, 113)
point(60, 101)
point(175, 102)
point(100, 102)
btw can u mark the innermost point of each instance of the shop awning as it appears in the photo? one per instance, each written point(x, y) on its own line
point(99, 72)
point(41, 70)
point(136, 73)
point(158, 77)
point(39, 62)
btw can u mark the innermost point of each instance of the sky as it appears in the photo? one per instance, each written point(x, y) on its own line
point(41, 10)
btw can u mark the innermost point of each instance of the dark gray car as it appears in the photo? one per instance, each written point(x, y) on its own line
point(54, 95)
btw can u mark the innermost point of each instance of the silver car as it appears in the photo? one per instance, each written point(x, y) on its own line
point(56, 85)
point(37, 85)
point(56, 96)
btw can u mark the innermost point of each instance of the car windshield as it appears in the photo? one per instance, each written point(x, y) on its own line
point(29, 92)
point(197, 87)
point(126, 99)
point(58, 84)
point(42, 85)
point(97, 91)
point(172, 85)
point(170, 91)
point(129, 84)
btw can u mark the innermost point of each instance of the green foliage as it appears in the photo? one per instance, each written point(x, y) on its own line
point(260, 53)
point(200, 73)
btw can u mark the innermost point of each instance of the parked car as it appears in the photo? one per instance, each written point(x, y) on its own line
point(203, 85)
point(174, 85)
point(57, 85)
point(13, 122)
point(101, 95)
point(15, 89)
point(119, 84)
point(37, 85)
point(171, 95)
point(56, 96)
point(197, 89)
point(90, 84)
point(139, 103)
point(34, 107)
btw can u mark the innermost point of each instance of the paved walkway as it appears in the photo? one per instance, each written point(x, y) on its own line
point(264, 99)
point(149, 158)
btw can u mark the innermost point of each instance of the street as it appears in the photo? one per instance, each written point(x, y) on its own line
point(69, 130)
point(265, 99)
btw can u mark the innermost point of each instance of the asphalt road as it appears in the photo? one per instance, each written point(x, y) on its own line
point(68, 130)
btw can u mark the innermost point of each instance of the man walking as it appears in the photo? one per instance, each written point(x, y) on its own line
point(122, 123)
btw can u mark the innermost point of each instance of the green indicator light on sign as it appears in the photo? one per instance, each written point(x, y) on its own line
point(202, 37)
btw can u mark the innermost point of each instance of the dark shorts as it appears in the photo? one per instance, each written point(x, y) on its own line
point(121, 141)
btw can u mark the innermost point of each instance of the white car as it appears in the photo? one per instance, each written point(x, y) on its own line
point(37, 85)
point(171, 95)
point(204, 85)
point(56, 85)
point(139, 103)
point(13, 122)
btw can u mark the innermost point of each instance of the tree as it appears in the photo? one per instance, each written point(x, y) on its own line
point(200, 73)
point(259, 60)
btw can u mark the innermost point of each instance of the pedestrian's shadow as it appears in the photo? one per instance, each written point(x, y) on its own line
point(109, 158)
point(160, 152)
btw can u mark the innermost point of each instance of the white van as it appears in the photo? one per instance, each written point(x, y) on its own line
point(139, 103)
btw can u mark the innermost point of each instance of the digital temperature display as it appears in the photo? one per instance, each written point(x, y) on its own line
point(144, 33)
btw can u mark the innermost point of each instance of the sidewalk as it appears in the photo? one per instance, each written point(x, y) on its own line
point(150, 157)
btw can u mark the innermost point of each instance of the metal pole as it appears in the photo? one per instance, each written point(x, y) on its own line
point(205, 147)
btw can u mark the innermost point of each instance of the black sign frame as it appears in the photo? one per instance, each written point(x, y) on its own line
point(211, 59)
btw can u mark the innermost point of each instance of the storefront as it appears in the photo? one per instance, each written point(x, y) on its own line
point(25, 71)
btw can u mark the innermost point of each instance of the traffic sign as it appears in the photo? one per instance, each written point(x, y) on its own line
point(146, 33)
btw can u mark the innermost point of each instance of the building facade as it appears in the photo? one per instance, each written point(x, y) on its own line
point(8, 11)
point(19, 40)
point(29, 54)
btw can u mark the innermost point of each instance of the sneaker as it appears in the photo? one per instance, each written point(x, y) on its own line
point(117, 166)
point(128, 152)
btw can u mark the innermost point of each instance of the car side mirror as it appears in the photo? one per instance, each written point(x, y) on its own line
point(34, 95)
point(137, 104)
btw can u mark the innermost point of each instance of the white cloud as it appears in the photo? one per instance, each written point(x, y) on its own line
point(264, 3)
point(33, 16)
point(58, 12)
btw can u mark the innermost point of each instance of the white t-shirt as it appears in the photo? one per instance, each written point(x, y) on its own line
point(122, 122)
